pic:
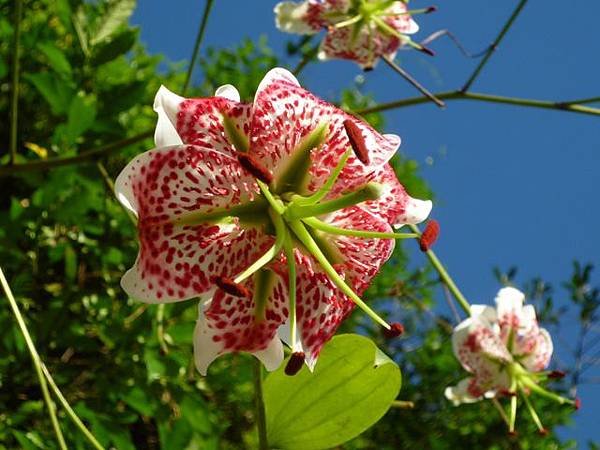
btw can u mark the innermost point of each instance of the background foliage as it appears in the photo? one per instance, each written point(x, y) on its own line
point(86, 81)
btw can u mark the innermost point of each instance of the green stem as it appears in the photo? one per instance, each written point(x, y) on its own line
point(458, 95)
point(306, 58)
point(261, 420)
point(327, 228)
point(371, 191)
point(408, 77)
point(160, 328)
point(81, 158)
point(35, 357)
point(263, 260)
point(531, 409)
point(307, 240)
point(500, 410)
point(494, 45)
point(14, 101)
point(199, 37)
point(70, 412)
point(446, 278)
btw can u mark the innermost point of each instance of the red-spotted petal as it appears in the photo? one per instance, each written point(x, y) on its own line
point(177, 260)
point(477, 345)
point(230, 324)
point(320, 308)
point(200, 121)
point(395, 205)
point(362, 258)
point(284, 114)
point(539, 357)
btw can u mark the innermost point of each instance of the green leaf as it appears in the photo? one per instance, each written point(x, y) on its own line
point(56, 58)
point(28, 441)
point(352, 387)
point(55, 91)
point(140, 400)
point(196, 413)
point(82, 113)
point(114, 48)
point(117, 14)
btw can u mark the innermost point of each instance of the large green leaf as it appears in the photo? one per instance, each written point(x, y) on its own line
point(117, 13)
point(352, 387)
point(115, 47)
point(56, 58)
point(56, 92)
point(82, 113)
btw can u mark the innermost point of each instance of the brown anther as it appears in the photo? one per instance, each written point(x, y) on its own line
point(357, 141)
point(427, 51)
point(543, 432)
point(577, 404)
point(295, 363)
point(368, 68)
point(431, 9)
point(429, 235)
point(254, 166)
point(396, 329)
point(556, 374)
point(231, 287)
point(513, 433)
point(506, 393)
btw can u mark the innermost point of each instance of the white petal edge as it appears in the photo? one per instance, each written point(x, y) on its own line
point(459, 394)
point(288, 18)
point(273, 75)
point(509, 300)
point(272, 356)
point(229, 92)
point(166, 105)
point(205, 349)
point(416, 211)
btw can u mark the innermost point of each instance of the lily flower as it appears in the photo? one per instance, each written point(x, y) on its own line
point(506, 353)
point(358, 30)
point(277, 213)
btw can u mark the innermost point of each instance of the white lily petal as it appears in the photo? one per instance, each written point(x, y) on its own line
point(278, 73)
point(166, 105)
point(416, 211)
point(509, 300)
point(229, 92)
point(459, 394)
point(289, 17)
point(205, 348)
point(272, 356)
point(484, 312)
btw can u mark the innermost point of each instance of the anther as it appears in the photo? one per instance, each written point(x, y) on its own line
point(543, 432)
point(252, 165)
point(506, 393)
point(577, 404)
point(357, 141)
point(396, 329)
point(430, 9)
point(556, 375)
point(295, 363)
point(427, 51)
point(231, 287)
point(513, 433)
point(429, 235)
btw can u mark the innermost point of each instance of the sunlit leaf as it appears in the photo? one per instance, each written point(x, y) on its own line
point(117, 13)
point(352, 387)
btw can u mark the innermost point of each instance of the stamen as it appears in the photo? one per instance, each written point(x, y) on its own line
point(324, 190)
point(265, 259)
point(577, 404)
point(532, 412)
point(513, 408)
point(370, 191)
point(543, 432)
point(331, 229)
point(237, 138)
point(357, 141)
point(231, 287)
point(304, 236)
point(429, 235)
point(556, 375)
point(396, 329)
point(255, 167)
point(295, 363)
point(348, 22)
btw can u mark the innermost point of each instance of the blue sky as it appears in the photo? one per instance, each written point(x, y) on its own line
point(513, 186)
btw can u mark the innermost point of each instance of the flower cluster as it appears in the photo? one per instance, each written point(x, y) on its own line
point(277, 213)
point(505, 351)
point(358, 30)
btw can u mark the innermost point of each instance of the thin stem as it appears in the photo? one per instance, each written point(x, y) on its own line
point(35, 357)
point(446, 278)
point(531, 409)
point(14, 101)
point(111, 187)
point(331, 229)
point(494, 45)
point(160, 328)
point(261, 418)
point(331, 179)
point(306, 58)
point(458, 95)
point(583, 101)
point(81, 158)
point(408, 77)
point(199, 37)
point(70, 412)
point(403, 404)
point(262, 261)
